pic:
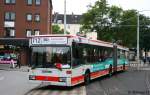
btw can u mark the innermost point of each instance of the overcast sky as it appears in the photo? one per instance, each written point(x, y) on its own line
point(80, 6)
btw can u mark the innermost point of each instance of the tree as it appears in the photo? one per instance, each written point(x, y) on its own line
point(96, 19)
point(103, 19)
point(144, 33)
point(57, 30)
point(115, 14)
point(128, 28)
point(114, 23)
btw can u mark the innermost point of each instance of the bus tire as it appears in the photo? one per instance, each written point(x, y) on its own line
point(110, 70)
point(87, 77)
point(124, 67)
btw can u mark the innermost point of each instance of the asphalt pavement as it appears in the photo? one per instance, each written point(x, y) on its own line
point(7, 67)
point(135, 81)
point(132, 82)
point(15, 81)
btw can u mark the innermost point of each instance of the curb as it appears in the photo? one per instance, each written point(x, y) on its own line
point(6, 67)
point(15, 70)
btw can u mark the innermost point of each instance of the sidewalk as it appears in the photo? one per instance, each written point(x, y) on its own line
point(7, 68)
point(15, 81)
point(135, 62)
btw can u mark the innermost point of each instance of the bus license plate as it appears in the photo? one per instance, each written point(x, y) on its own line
point(44, 71)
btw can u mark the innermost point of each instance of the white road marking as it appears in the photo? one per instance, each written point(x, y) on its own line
point(64, 93)
point(55, 93)
point(46, 92)
point(145, 69)
point(84, 91)
point(76, 91)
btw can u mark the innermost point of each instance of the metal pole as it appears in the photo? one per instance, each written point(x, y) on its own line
point(115, 56)
point(64, 17)
point(138, 24)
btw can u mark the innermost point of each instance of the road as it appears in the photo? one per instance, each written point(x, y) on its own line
point(53, 90)
point(14, 82)
point(131, 82)
point(127, 83)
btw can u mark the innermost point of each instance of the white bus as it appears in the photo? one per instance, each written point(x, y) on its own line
point(66, 60)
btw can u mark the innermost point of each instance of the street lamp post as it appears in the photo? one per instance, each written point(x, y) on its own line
point(64, 17)
point(138, 24)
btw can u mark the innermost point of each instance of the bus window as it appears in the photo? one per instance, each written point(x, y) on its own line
point(79, 54)
point(47, 57)
point(121, 54)
point(75, 53)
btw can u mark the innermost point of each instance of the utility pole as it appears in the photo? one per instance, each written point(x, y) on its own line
point(64, 17)
point(138, 24)
point(115, 56)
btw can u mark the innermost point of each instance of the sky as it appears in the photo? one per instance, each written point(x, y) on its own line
point(81, 6)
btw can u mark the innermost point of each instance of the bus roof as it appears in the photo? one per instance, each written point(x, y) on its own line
point(53, 35)
point(90, 41)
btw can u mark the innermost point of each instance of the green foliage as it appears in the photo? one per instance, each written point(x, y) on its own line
point(57, 30)
point(128, 28)
point(144, 33)
point(114, 23)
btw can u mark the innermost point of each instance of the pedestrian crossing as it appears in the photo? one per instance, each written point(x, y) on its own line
point(81, 90)
point(138, 65)
point(145, 69)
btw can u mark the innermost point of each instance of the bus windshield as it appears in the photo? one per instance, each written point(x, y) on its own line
point(48, 57)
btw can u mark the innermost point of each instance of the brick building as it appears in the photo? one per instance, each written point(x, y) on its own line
point(20, 19)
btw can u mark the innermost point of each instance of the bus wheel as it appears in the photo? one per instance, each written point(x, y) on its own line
point(124, 67)
point(87, 78)
point(110, 70)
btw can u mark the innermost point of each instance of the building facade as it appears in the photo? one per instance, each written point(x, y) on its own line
point(19, 19)
point(72, 24)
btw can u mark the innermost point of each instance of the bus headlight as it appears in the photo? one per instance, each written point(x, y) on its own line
point(62, 79)
point(31, 77)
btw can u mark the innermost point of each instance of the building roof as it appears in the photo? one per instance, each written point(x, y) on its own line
point(70, 18)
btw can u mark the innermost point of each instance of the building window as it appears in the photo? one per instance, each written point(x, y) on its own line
point(10, 32)
point(37, 2)
point(9, 16)
point(10, 1)
point(28, 32)
point(59, 21)
point(29, 17)
point(37, 32)
point(7, 1)
point(29, 2)
point(13, 1)
point(37, 17)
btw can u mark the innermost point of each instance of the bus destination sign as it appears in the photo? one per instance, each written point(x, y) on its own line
point(48, 40)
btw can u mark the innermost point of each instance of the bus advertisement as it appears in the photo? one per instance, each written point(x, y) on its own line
point(66, 60)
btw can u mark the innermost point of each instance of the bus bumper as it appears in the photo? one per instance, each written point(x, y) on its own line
point(60, 82)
